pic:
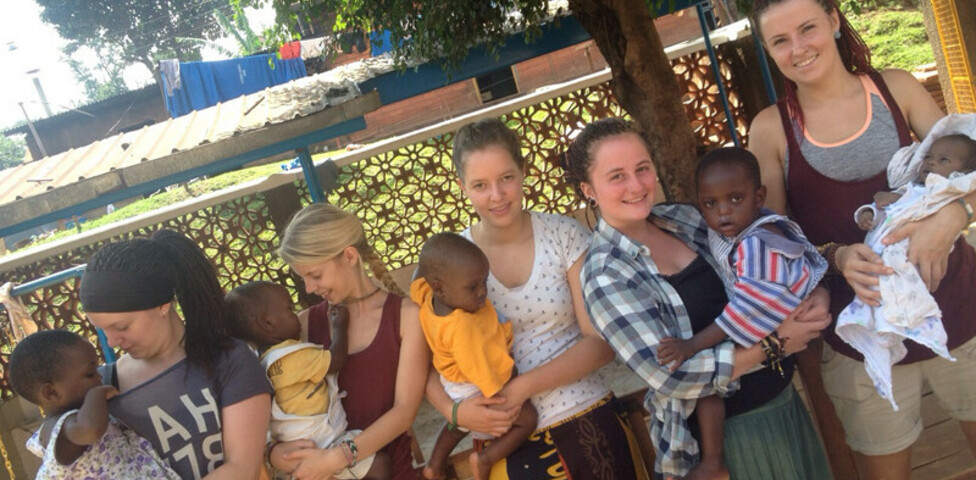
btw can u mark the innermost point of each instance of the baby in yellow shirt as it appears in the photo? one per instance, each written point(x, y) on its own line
point(303, 375)
point(470, 344)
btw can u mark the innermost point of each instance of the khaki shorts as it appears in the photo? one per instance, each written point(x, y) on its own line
point(871, 426)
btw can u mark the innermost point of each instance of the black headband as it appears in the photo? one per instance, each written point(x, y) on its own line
point(110, 292)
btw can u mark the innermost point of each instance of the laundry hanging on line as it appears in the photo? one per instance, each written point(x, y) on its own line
point(193, 86)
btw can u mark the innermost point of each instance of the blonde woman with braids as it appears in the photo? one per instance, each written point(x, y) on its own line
point(385, 372)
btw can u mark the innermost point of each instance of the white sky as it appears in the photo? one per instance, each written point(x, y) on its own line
point(38, 45)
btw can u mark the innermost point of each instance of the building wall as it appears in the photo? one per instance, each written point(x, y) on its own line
point(463, 96)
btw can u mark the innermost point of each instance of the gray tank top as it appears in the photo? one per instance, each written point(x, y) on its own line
point(859, 157)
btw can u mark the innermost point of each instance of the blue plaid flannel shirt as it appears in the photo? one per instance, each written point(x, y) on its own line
point(634, 308)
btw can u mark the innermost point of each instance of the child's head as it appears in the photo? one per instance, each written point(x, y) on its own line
point(54, 369)
point(948, 154)
point(262, 313)
point(456, 270)
point(730, 191)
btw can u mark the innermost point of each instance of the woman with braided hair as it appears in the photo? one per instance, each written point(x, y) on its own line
point(386, 370)
point(824, 150)
point(198, 396)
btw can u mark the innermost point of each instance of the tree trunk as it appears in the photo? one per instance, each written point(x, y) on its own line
point(645, 85)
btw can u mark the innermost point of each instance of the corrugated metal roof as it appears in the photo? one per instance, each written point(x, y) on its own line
point(298, 98)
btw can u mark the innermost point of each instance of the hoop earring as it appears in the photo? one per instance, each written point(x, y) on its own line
point(591, 202)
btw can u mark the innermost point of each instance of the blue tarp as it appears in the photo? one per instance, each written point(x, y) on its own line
point(383, 36)
point(204, 84)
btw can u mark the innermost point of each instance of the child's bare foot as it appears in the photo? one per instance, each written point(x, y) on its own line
point(708, 470)
point(431, 473)
point(480, 466)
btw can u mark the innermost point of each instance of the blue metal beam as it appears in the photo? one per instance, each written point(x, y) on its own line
point(763, 65)
point(395, 86)
point(311, 176)
point(212, 168)
point(54, 279)
point(716, 68)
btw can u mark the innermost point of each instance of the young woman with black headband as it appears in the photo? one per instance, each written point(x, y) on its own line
point(199, 396)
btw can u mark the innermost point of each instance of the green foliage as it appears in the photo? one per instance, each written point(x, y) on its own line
point(239, 28)
point(139, 31)
point(103, 81)
point(11, 151)
point(896, 37)
point(425, 29)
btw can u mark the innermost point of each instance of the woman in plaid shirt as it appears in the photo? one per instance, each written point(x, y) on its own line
point(649, 275)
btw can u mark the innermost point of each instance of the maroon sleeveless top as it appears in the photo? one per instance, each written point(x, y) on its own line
point(824, 208)
point(369, 377)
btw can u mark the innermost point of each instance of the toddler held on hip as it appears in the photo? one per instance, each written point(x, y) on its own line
point(57, 370)
point(470, 344)
point(306, 401)
point(767, 266)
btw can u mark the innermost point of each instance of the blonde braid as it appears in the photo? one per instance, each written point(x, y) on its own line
point(377, 267)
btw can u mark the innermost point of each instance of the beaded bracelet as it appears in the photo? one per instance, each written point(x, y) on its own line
point(829, 252)
point(454, 425)
point(773, 347)
point(350, 451)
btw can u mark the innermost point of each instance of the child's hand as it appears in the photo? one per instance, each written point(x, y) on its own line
point(800, 312)
point(673, 351)
point(338, 314)
point(101, 391)
point(883, 199)
point(865, 219)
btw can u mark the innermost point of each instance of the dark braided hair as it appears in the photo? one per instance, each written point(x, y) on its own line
point(38, 359)
point(579, 156)
point(174, 257)
point(854, 53)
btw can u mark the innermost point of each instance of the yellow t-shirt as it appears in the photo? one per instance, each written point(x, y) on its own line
point(294, 376)
point(467, 347)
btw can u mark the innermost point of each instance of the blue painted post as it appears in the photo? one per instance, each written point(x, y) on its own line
point(311, 177)
point(106, 348)
point(729, 120)
point(763, 65)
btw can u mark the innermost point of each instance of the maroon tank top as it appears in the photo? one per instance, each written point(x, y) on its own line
point(824, 209)
point(369, 377)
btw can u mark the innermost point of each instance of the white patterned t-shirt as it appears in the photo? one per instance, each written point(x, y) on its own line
point(542, 315)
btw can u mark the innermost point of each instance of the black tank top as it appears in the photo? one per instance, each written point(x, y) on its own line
point(703, 294)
